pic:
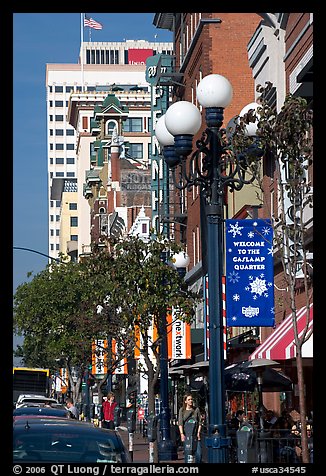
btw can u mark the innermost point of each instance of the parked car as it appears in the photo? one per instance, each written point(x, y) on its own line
point(52, 440)
point(31, 398)
point(38, 411)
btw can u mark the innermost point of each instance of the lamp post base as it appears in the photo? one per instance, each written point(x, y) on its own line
point(217, 448)
point(167, 451)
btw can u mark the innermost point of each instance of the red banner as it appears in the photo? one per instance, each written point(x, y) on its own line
point(138, 56)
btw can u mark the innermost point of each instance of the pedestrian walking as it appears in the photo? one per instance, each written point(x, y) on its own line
point(108, 408)
point(187, 412)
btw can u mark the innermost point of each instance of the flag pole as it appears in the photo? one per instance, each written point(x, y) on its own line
point(82, 48)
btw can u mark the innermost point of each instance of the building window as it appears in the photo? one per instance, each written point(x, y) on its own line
point(57, 218)
point(69, 89)
point(59, 132)
point(70, 146)
point(57, 247)
point(72, 206)
point(58, 103)
point(51, 132)
point(51, 217)
point(59, 160)
point(70, 174)
point(52, 232)
point(52, 247)
point(110, 125)
point(73, 221)
point(70, 160)
point(58, 89)
point(133, 124)
point(59, 117)
point(51, 103)
point(136, 150)
point(51, 118)
point(51, 160)
point(73, 237)
point(149, 127)
point(70, 132)
point(50, 89)
point(59, 147)
point(57, 232)
point(85, 122)
point(59, 174)
point(144, 228)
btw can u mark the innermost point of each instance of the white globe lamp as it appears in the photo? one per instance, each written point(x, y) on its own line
point(214, 90)
point(162, 134)
point(251, 128)
point(183, 118)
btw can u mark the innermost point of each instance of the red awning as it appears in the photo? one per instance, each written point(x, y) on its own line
point(280, 344)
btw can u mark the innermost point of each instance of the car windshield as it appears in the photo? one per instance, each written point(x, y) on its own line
point(65, 445)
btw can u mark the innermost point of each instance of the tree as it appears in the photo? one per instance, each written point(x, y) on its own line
point(57, 314)
point(131, 285)
point(143, 288)
point(285, 138)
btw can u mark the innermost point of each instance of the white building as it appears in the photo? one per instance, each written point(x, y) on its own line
point(110, 66)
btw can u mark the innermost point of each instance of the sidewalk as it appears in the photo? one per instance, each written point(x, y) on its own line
point(141, 447)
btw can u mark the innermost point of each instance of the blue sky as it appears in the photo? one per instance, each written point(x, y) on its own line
point(40, 38)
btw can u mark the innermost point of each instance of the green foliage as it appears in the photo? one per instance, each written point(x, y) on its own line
point(66, 306)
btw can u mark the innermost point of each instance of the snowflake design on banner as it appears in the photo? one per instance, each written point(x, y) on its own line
point(234, 277)
point(235, 230)
point(266, 231)
point(258, 287)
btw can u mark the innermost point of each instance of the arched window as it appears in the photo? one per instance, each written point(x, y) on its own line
point(109, 127)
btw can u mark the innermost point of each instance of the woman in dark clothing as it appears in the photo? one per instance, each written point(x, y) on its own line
point(187, 412)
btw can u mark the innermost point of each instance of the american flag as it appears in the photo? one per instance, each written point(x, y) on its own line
point(92, 23)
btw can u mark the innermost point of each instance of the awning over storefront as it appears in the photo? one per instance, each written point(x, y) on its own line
point(280, 344)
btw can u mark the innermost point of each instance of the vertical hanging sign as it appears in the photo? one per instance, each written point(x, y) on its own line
point(249, 273)
point(179, 337)
point(99, 357)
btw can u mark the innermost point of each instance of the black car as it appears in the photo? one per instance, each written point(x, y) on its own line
point(52, 440)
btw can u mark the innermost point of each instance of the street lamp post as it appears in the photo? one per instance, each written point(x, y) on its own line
point(213, 168)
point(167, 450)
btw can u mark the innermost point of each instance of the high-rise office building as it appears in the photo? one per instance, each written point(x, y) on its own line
point(102, 67)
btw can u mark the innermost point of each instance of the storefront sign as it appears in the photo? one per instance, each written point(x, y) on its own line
point(249, 273)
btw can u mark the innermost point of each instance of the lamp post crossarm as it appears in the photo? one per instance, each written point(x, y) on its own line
point(229, 170)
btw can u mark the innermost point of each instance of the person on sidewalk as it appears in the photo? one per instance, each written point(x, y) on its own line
point(189, 411)
point(108, 411)
point(72, 409)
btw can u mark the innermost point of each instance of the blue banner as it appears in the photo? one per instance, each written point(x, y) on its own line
point(249, 273)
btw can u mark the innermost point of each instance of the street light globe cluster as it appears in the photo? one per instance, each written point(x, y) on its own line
point(184, 118)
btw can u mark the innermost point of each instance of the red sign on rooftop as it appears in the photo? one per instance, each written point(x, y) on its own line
point(138, 56)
